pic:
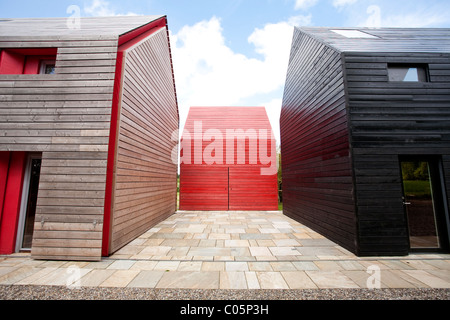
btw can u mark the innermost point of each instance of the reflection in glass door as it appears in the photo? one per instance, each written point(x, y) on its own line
point(420, 204)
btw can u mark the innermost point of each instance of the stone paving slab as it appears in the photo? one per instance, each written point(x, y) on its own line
point(209, 251)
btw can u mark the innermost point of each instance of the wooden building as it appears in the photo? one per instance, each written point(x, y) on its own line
point(87, 111)
point(365, 137)
point(228, 160)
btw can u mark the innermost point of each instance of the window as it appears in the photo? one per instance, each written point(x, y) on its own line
point(47, 67)
point(354, 34)
point(407, 73)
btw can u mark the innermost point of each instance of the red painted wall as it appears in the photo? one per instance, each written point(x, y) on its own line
point(221, 174)
point(12, 169)
point(4, 169)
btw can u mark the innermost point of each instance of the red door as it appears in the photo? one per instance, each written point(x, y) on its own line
point(224, 188)
point(249, 190)
point(12, 170)
point(204, 188)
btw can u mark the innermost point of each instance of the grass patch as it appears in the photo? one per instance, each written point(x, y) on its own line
point(417, 188)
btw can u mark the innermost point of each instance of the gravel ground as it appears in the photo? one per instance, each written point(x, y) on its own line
point(63, 293)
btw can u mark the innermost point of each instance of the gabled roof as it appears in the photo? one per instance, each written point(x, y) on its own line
point(222, 127)
point(430, 40)
point(98, 26)
point(222, 118)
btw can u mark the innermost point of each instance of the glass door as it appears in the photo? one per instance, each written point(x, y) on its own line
point(421, 204)
point(29, 200)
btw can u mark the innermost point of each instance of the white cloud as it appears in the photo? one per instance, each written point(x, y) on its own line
point(304, 4)
point(342, 3)
point(102, 8)
point(210, 73)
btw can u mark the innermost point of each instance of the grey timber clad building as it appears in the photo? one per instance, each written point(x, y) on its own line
point(87, 112)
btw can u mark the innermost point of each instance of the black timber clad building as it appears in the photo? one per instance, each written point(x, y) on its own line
point(365, 137)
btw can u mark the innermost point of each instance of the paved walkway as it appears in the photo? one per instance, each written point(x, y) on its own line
point(232, 250)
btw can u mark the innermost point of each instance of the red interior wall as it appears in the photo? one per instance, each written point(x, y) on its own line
point(4, 168)
point(24, 61)
point(11, 63)
point(12, 170)
point(32, 65)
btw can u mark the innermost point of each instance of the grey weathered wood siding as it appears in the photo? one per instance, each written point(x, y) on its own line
point(316, 162)
point(146, 177)
point(66, 117)
point(387, 120)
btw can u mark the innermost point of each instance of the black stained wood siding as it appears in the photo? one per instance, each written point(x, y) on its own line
point(316, 161)
point(387, 120)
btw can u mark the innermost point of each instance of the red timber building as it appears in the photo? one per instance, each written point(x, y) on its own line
point(87, 111)
point(228, 160)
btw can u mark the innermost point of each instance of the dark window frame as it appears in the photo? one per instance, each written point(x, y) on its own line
point(418, 66)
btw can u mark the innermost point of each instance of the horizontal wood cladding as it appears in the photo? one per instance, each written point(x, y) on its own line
point(250, 190)
point(146, 177)
point(229, 188)
point(66, 117)
point(387, 120)
point(48, 29)
point(69, 214)
point(316, 162)
point(204, 187)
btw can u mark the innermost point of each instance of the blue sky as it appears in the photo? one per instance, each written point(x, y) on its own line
point(235, 52)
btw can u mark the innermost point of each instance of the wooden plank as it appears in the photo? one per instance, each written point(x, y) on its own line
point(19, 83)
point(46, 90)
point(56, 97)
point(84, 63)
point(69, 227)
point(76, 235)
point(86, 56)
point(56, 77)
point(92, 49)
point(84, 70)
